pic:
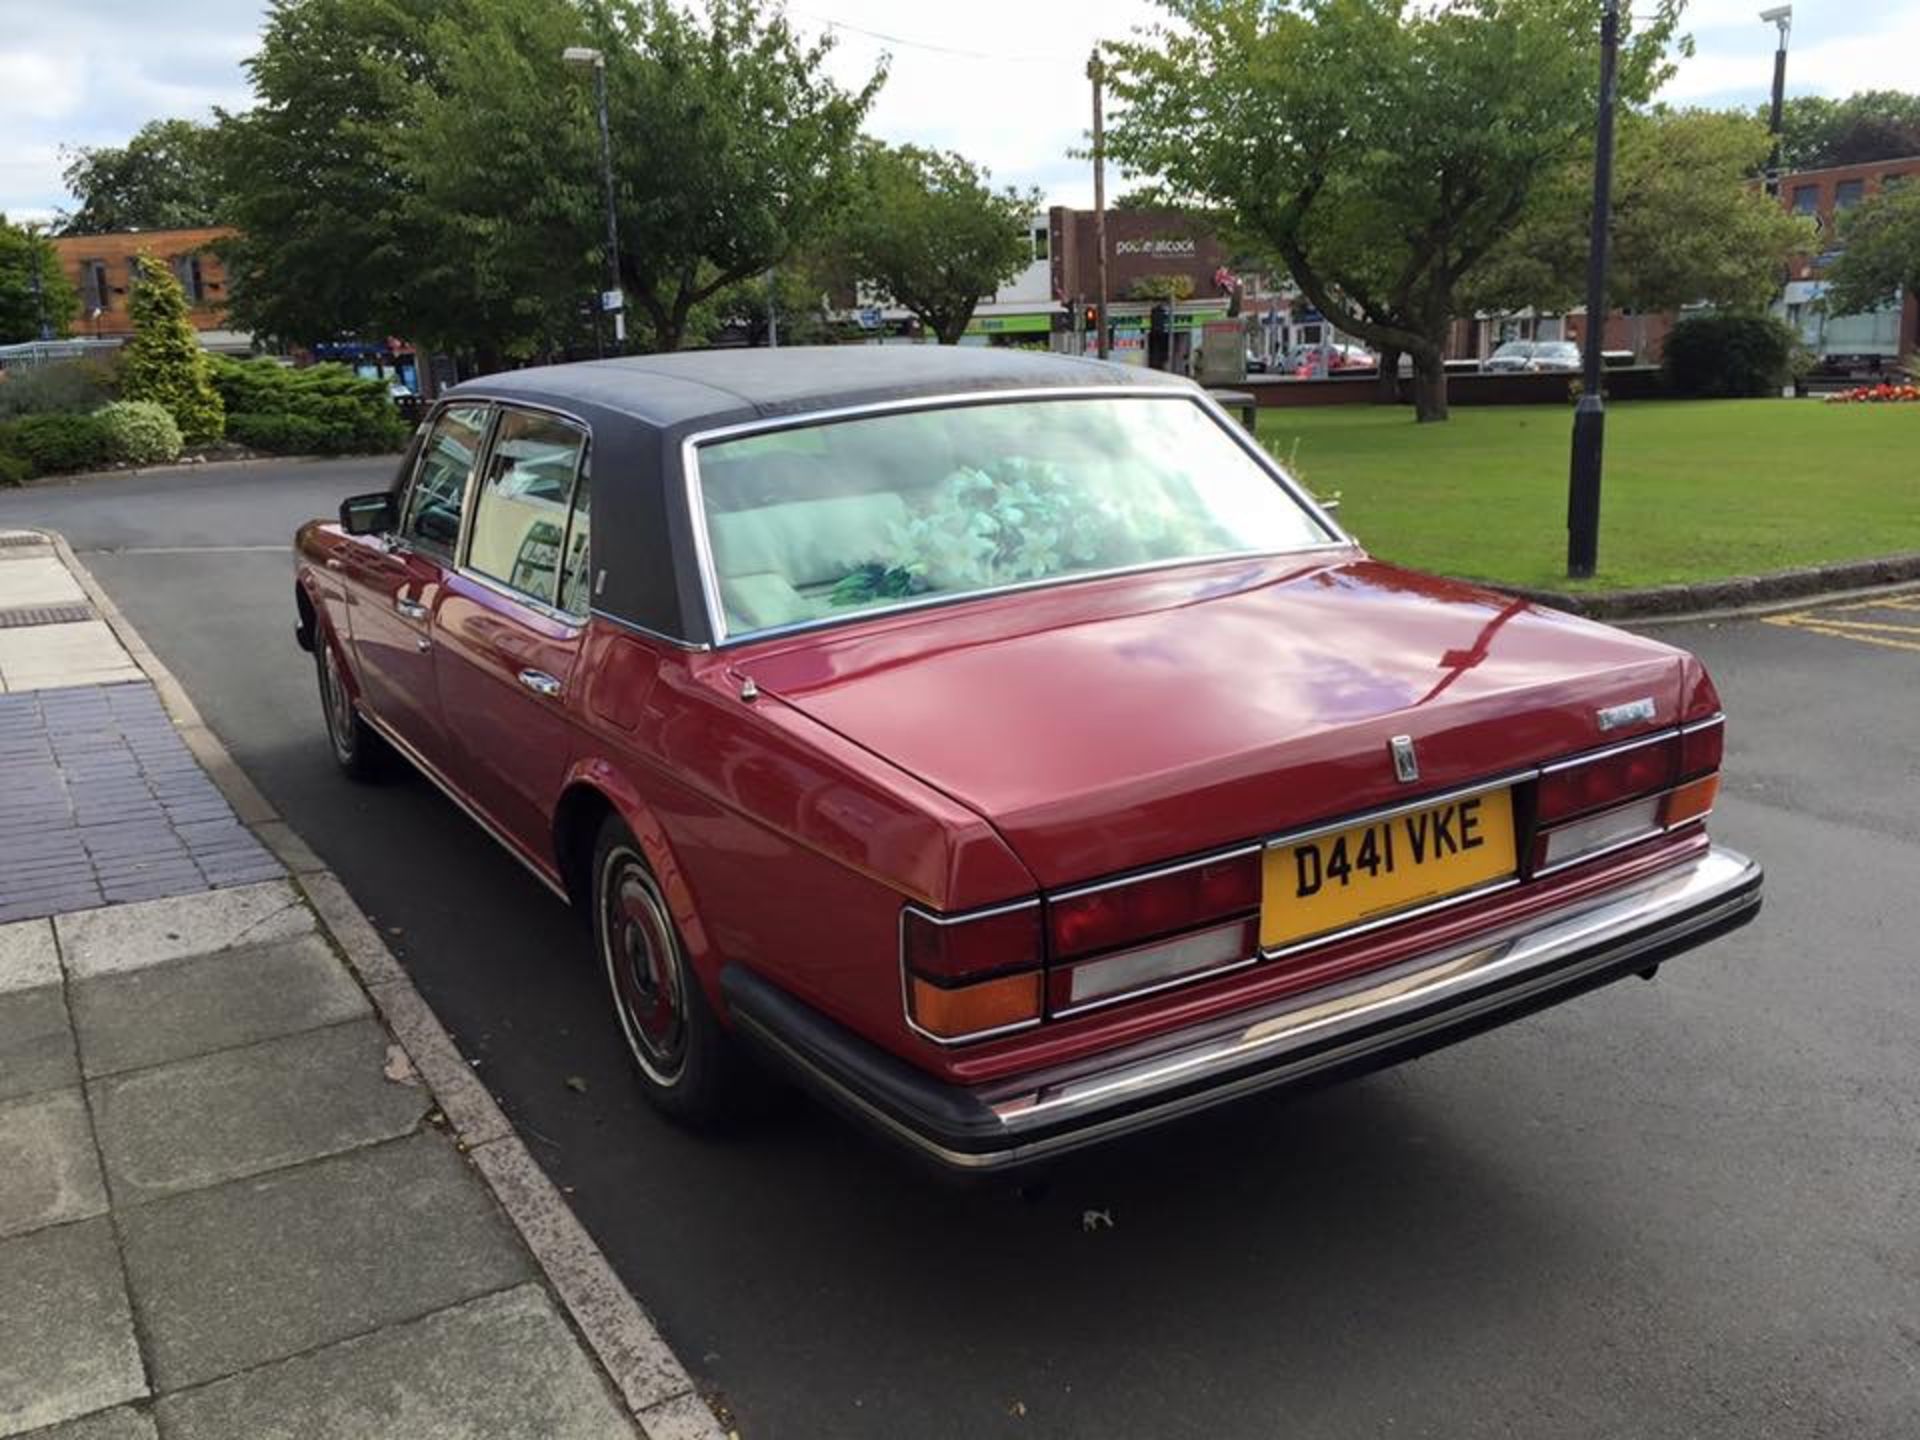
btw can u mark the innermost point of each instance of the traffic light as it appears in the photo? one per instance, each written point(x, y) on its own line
point(1090, 318)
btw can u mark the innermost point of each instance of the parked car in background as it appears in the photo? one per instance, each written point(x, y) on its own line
point(1308, 359)
point(999, 743)
point(1534, 355)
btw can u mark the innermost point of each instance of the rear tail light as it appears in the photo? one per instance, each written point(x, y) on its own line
point(1627, 794)
point(1692, 801)
point(968, 1012)
point(1702, 747)
point(970, 976)
point(1589, 836)
point(1126, 973)
point(1127, 912)
point(1579, 787)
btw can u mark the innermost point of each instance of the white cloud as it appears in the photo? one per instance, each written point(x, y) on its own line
point(1837, 47)
point(1002, 81)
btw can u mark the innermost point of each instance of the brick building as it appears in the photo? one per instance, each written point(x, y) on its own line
point(103, 272)
point(1845, 342)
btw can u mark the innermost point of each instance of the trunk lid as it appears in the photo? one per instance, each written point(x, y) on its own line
point(1122, 723)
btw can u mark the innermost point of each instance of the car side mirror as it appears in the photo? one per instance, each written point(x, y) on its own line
point(368, 514)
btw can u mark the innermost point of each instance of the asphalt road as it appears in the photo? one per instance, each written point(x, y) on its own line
point(1683, 1208)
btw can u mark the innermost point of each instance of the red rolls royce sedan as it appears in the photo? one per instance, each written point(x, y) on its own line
point(1002, 744)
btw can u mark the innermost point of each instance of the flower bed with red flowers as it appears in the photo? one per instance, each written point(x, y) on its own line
point(1875, 395)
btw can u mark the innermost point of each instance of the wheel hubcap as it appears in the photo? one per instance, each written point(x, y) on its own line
point(339, 709)
point(643, 967)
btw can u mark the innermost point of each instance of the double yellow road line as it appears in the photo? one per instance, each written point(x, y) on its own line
point(1892, 621)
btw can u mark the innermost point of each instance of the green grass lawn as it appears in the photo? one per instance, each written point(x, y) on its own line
point(1694, 490)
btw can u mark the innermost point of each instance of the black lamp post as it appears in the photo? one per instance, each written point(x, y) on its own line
point(584, 57)
point(1780, 16)
point(1590, 415)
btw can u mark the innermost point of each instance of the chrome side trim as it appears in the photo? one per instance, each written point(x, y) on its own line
point(575, 623)
point(1337, 538)
point(961, 917)
point(445, 787)
point(1615, 927)
point(693, 646)
point(1706, 724)
point(1139, 876)
point(1607, 752)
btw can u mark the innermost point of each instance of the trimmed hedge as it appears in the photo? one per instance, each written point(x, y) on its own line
point(282, 434)
point(1730, 356)
point(52, 444)
point(14, 469)
point(318, 410)
point(140, 432)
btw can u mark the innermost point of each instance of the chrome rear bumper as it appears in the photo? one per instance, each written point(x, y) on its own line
point(1377, 1019)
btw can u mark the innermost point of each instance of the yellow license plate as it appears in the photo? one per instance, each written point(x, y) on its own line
point(1327, 882)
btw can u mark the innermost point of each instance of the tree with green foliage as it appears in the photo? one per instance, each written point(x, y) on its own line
point(1689, 225)
point(1871, 125)
point(163, 362)
point(165, 178)
point(34, 290)
point(328, 240)
point(932, 235)
point(1381, 150)
point(1880, 256)
point(732, 149)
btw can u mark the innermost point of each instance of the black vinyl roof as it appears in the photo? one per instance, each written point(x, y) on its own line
point(721, 386)
point(642, 407)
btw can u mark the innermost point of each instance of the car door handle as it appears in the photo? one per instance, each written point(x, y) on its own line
point(539, 682)
point(412, 609)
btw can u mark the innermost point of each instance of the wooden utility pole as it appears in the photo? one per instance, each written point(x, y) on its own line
point(1097, 73)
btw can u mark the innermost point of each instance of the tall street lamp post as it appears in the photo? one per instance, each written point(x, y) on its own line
point(1097, 73)
point(1780, 16)
point(584, 57)
point(1590, 415)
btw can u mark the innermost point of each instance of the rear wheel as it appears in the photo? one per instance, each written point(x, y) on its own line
point(688, 1066)
point(358, 752)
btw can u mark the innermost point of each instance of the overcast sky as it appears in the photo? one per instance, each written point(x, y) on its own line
point(999, 80)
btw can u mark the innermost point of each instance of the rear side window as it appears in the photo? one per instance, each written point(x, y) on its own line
point(439, 489)
point(521, 510)
point(576, 584)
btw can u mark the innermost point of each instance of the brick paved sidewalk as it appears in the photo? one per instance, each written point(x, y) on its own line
point(230, 1209)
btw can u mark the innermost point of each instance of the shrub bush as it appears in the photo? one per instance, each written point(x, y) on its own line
point(282, 434)
point(69, 385)
point(140, 432)
point(53, 444)
point(338, 411)
point(13, 468)
point(1730, 355)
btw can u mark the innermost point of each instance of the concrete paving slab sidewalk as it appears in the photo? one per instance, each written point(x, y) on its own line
point(243, 1193)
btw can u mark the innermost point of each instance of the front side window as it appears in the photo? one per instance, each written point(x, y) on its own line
point(439, 490)
point(521, 508)
point(820, 521)
point(1806, 199)
point(1849, 193)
